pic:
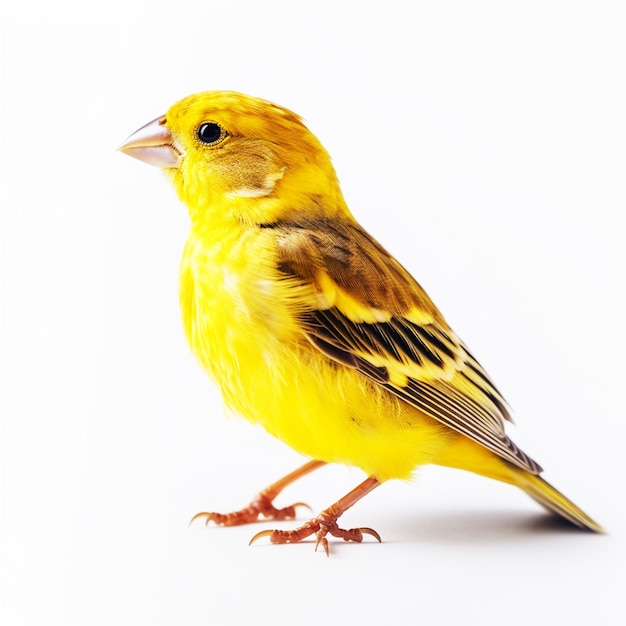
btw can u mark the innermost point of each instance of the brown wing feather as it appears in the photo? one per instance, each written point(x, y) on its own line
point(354, 261)
point(409, 349)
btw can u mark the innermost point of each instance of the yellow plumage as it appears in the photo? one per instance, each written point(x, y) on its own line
point(309, 327)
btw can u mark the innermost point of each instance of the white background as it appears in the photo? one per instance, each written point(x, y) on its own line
point(482, 143)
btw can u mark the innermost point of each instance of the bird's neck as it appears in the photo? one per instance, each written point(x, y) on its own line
point(222, 213)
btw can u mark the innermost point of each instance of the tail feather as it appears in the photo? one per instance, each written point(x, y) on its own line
point(544, 493)
point(464, 453)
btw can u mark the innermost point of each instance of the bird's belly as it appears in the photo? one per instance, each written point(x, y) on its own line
point(322, 409)
point(271, 375)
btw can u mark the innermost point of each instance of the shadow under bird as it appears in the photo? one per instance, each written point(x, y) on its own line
point(309, 326)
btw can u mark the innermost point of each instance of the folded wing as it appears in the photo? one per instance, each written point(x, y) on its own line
point(361, 308)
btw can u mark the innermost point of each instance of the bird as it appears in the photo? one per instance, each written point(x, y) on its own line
point(309, 327)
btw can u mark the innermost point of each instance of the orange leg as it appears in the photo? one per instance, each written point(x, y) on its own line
point(326, 522)
point(262, 503)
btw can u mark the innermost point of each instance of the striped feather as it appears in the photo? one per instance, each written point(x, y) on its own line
point(372, 316)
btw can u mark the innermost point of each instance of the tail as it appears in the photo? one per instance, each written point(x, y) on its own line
point(544, 493)
point(464, 453)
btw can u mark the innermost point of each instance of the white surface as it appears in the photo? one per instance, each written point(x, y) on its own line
point(483, 145)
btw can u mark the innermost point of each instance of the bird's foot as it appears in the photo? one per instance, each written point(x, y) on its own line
point(261, 506)
point(320, 526)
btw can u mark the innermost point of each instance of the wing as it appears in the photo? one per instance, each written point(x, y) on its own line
point(360, 307)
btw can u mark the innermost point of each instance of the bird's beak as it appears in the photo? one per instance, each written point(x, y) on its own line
point(152, 143)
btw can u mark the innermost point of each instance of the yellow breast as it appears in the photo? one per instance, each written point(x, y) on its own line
point(241, 321)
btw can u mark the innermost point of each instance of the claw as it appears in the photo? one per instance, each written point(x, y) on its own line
point(353, 534)
point(198, 516)
point(263, 533)
point(261, 506)
point(372, 532)
point(212, 517)
point(324, 543)
point(304, 505)
point(320, 526)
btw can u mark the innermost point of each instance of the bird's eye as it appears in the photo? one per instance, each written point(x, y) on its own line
point(210, 133)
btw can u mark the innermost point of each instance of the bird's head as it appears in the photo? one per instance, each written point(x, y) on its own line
point(236, 156)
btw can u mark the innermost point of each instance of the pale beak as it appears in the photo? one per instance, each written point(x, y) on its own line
point(152, 144)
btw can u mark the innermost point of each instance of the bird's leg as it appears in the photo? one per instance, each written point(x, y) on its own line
point(262, 503)
point(326, 522)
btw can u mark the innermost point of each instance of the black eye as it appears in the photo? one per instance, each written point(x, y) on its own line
point(210, 133)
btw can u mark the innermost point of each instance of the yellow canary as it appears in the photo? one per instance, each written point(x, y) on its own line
point(309, 326)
